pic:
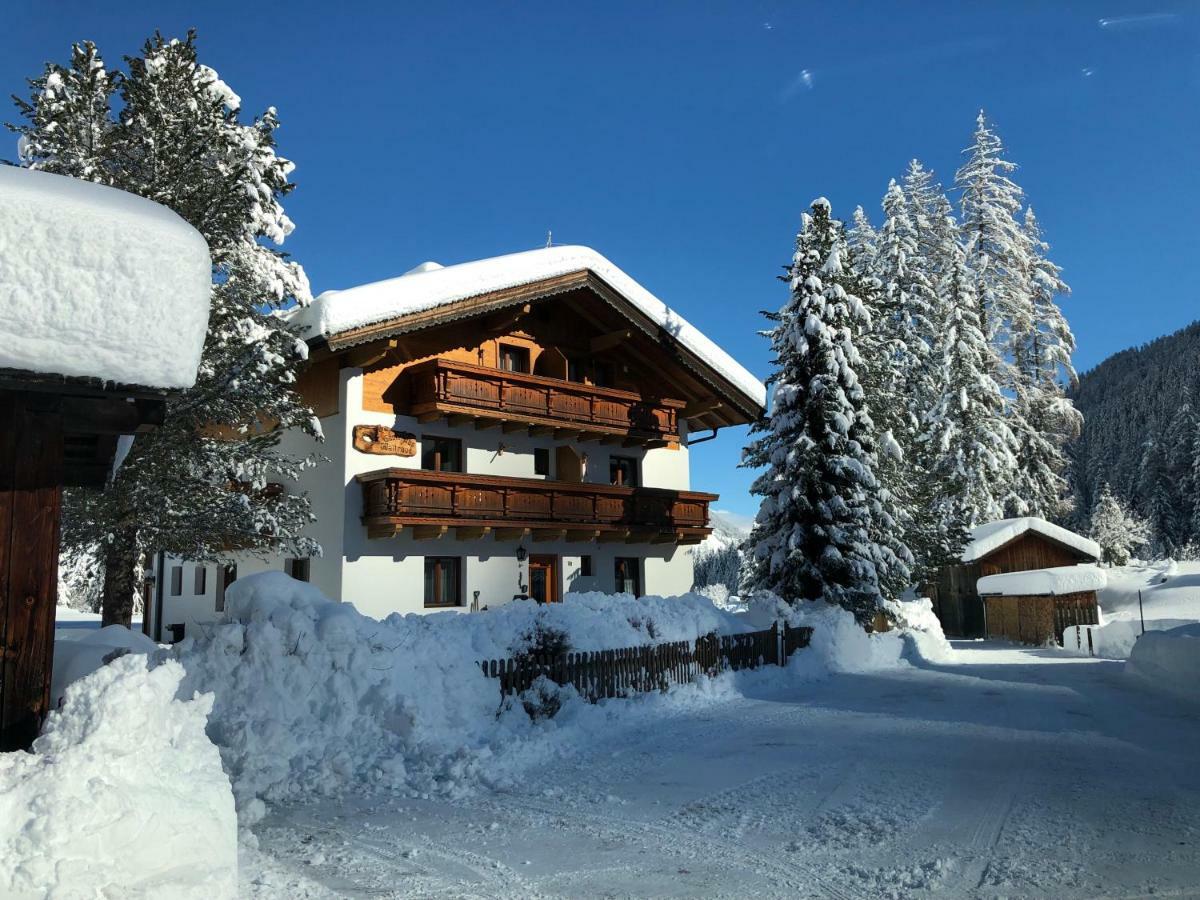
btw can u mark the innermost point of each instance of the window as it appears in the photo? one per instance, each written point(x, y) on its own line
point(439, 454)
point(541, 461)
point(628, 575)
point(622, 471)
point(576, 370)
point(441, 581)
point(514, 359)
point(226, 575)
point(585, 566)
point(297, 568)
point(177, 581)
point(201, 580)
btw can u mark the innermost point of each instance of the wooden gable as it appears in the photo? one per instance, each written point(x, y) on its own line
point(1028, 551)
point(572, 321)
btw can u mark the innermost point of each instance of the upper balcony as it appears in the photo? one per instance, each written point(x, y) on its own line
point(463, 393)
point(432, 503)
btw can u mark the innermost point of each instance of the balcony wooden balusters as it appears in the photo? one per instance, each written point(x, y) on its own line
point(443, 388)
point(430, 503)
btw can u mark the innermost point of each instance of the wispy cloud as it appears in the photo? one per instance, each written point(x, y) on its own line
point(802, 82)
point(1143, 20)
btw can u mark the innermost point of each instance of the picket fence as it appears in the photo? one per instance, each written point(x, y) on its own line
point(600, 674)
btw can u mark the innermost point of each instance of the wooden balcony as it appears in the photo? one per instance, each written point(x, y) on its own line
point(432, 504)
point(464, 393)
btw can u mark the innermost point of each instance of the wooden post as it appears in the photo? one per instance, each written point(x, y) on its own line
point(31, 478)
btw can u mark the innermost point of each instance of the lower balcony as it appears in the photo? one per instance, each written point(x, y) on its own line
point(434, 504)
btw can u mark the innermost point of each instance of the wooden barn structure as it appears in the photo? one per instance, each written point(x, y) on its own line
point(1007, 545)
point(1036, 607)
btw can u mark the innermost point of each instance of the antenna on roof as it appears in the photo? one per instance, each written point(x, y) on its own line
point(549, 238)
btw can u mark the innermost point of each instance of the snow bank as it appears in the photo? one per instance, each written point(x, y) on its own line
point(122, 796)
point(1168, 661)
point(98, 282)
point(840, 644)
point(313, 697)
point(1041, 582)
point(425, 288)
point(993, 535)
point(80, 651)
point(1113, 639)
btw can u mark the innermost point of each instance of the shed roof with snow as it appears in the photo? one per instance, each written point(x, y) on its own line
point(1044, 582)
point(334, 315)
point(98, 283)
point(986, 539)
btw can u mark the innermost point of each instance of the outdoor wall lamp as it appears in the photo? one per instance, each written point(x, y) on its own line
point(522, 554)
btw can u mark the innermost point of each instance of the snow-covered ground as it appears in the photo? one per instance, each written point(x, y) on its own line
point(1170, 598)
point(1012, 772)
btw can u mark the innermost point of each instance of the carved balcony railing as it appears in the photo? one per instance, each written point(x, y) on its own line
point(443, 388)
point(432, 503)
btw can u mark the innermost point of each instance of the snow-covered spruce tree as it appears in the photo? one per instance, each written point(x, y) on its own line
point(897, 374)
point(824, 529)
point(70, 125)
point(863, 242)
point(1118, 531)
point(203, 483)
point(1046, 418)
point(970, 449)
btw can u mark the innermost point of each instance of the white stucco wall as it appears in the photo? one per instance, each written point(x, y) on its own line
point(386, 575)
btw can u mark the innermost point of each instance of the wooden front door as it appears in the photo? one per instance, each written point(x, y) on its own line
point(543, 579)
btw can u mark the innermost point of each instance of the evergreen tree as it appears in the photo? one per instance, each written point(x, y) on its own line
point(824, 530)
point(70, 126)
point(205, 482)
point(970, 448)
point(863, 242)
point(1118, 532)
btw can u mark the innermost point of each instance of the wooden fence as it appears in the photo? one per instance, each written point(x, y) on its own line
point(600, 674)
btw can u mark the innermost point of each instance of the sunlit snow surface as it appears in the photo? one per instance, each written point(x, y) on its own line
point(98, 282)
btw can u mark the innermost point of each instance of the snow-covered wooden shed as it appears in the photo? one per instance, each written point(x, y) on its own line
point(1036, 606)
point(1008, 545)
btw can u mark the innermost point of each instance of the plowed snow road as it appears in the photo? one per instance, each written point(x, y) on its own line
point(1015, 773)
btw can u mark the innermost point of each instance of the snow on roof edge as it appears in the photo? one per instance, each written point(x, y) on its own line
point(991, 536)
point(334, 312)
point(1040, 582)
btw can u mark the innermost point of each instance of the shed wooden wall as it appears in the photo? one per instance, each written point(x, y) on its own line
point(1030, 551)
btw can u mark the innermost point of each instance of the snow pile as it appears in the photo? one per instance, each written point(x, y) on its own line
point(1168, 661)
point(122, 796)
point(1041, 582)
point(992, 536)
point(840, 644)
point(313, 697)
point(98, 282)
point(80, 651)
point(423, 288)
point(1170, 593)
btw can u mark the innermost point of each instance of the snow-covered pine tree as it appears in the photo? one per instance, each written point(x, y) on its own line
point(863, 242)
point(1118, 531)
point(901, 383)
point(69, 112)
point(997, 248)
point(970, 449)
point(1046, 419)
point(205, 482)
point(824, 530)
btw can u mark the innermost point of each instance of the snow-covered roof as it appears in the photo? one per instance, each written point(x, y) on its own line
point(1038, 582)
point(99, 283)
point(994, 535)
point(430, 285)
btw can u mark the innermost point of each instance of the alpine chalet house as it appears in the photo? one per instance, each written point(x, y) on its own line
point(514, 426)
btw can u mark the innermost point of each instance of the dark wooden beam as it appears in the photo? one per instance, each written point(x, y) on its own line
point(511, 534)
point(471, 534)
point(429, 532)
point(549, 534)
point(31, 477)
point(700, 407)
point(613, 339)
point(506, 322)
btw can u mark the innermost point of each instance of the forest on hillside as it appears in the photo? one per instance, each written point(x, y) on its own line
point(1140, 437)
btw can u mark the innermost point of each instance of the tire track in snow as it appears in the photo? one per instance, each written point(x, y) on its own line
point(791, 875)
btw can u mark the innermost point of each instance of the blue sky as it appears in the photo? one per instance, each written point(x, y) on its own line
point(683, 140)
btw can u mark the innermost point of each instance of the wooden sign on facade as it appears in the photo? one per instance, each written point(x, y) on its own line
point(383, 440)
